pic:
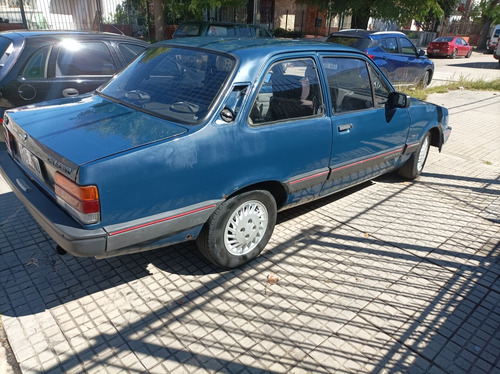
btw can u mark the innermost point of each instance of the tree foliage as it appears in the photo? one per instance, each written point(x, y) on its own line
point(402, 11)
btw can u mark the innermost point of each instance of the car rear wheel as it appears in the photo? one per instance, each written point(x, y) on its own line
point(239, 229)
point(415, 164)
point(454, 54)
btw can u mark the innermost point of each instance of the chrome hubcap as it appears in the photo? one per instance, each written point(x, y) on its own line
point(246, 227)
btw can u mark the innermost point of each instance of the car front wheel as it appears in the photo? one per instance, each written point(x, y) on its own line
point(412, 168)
point(425, 80)
point(469, 53)
point(239, 229)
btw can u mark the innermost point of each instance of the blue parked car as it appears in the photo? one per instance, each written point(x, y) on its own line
point(393, 52)
point(206, 140)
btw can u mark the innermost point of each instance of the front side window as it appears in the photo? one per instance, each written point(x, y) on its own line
point(177, 83)
point(37, 64)
point(380, 88)
point(407, 48)
point(349, 84)
point(84, 58)
point(290, 90)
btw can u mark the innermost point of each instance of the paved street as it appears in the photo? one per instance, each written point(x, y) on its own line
point(390, 276)
point(479, 66)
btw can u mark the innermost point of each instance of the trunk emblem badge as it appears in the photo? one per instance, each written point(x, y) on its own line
point(25, 136)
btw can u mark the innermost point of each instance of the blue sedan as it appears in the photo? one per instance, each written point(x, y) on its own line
point(206, 140)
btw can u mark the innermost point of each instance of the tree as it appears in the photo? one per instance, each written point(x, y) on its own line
point(490, 14)
point(402, 11)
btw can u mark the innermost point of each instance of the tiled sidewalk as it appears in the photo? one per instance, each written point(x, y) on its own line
point(390, 276)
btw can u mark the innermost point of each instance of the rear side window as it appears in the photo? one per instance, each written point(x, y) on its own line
point(290, 90)
point(390, 45)
point(84, 58)
point(130, 51)
point(244, 31)
point(37, 64)
point(188, 29)
point(216, 30)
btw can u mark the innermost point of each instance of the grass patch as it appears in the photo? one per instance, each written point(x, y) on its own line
point(461, 84)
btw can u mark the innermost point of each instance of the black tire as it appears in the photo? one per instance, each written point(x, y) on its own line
point(454, 54)
point(413, 167)
point(469, 53)
point(228, 240)
point(425, 80)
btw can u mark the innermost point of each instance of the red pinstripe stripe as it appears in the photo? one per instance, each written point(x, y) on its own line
point(368, 159)
point(161, 220)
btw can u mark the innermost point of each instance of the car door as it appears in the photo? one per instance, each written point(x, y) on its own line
point(288, 133)
point(461, 46)
point(391, 62)
point(368, 135)
point(414, 68)
point(77, 67)
point(31, 84)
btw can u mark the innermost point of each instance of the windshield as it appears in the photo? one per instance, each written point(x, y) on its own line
point(444, 39)
point(177, 83)
point(351, 41)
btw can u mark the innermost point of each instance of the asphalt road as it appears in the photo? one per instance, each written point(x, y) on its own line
point(479, 66)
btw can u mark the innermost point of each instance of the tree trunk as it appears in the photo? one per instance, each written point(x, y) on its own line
point(159, 20)
point(485, 32)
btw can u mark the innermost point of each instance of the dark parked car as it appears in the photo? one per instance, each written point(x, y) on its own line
point(207, 139)
point(393, 52)
point(220, 29)
point(43, 65)
point(449, 46)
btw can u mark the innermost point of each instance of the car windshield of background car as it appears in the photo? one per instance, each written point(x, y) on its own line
point(351, 41)
point(180, 84)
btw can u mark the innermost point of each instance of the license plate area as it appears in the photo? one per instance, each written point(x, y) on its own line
point(30, 160)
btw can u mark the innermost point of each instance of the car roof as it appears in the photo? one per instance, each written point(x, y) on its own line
point(221, 23)
point(49, 34)
point(252, 52)
point(240, 46)
point(366, 33)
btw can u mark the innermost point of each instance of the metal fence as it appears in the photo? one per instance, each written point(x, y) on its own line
point(129, 17)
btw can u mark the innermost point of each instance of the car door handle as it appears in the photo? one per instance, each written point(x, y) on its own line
point(68, 92)
point(345, 127)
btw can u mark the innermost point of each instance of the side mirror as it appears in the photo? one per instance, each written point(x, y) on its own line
point(399, 100)
point(421, 53)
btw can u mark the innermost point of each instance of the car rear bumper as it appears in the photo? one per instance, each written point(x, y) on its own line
point(57, 223)
point(128, 237)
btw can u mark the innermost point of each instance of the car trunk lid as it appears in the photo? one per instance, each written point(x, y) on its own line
point(82, 130)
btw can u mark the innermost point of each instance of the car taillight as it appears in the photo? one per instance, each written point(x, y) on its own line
point(366, 53)
point(9, 140)
point(81, 201)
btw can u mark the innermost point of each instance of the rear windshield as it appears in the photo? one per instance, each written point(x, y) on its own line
point(351, 41)
point(444, 39)
point(176, 83)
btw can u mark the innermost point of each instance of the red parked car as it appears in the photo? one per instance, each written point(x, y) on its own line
point(449, 46)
